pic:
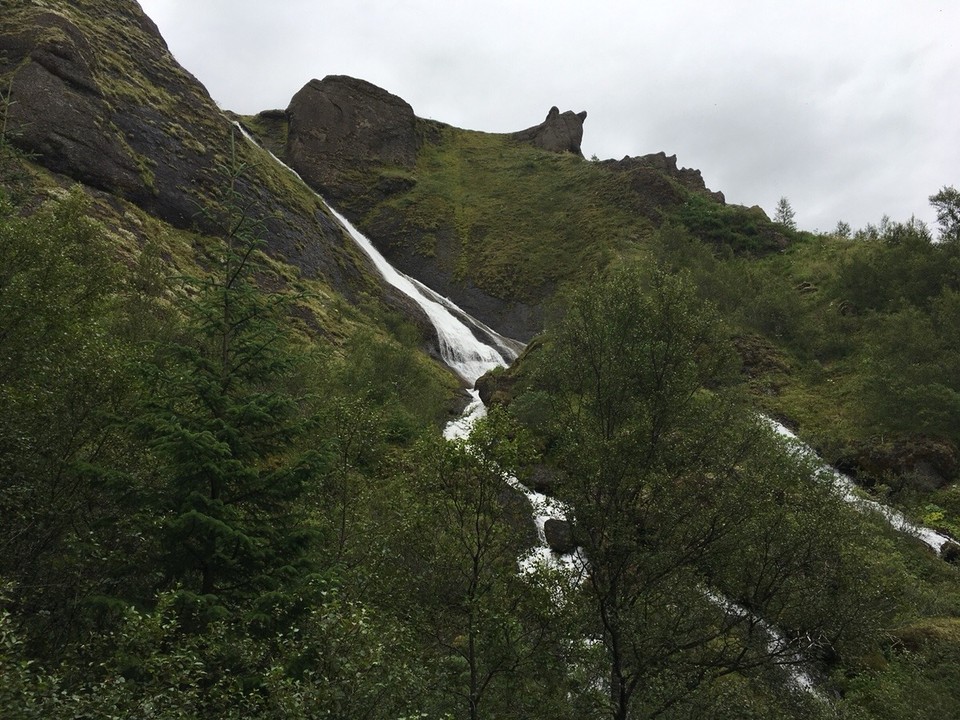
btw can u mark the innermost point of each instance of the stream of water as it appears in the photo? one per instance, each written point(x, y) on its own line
point(846, 488)
point(471, 349)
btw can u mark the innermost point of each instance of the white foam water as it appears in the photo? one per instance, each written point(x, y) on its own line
point(848, 491)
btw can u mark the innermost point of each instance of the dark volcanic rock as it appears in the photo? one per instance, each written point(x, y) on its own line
point(495, 388)
point(395, 236)
point(951, 553)
point(58, 112)
point(341, 124)
point(559, 536)
point(920, 463)
point(97, 97)
point(543, 479)
point(560, 132)
point(665, 165)
point(516, 513)
point(106, 104)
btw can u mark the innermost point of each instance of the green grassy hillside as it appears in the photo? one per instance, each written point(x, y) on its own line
point(223, 488)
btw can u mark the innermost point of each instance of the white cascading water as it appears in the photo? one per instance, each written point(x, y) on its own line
point(471, 357)
point(459, 347)
point(464, 353)
point(846, 488)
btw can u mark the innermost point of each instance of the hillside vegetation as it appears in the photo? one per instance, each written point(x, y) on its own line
point(224, 489)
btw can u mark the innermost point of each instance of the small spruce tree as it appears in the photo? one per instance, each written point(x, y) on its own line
point(784, 214)
point(222, 425)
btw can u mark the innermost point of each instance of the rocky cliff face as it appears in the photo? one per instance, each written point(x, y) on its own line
point(365, 149)
point(96, 96)
point(664, 165)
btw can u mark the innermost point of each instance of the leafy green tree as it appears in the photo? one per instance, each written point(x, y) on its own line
point(947, 204)
point(486, 623)
point(68, 532)
point(682, 498)
point(902, 268)
point(226, 428)
point(910, 373)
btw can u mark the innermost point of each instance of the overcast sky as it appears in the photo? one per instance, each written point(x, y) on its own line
point(848, 108)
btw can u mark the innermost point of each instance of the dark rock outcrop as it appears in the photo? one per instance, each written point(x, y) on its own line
point(918, 463)
point(516, 513)
point(58, 112)
point(560, 132)
point(663, 164)
point(543, 479)
point(344, 125)
point(494, 388)
point(559, 536)
point(105, 104)
point(950, 552)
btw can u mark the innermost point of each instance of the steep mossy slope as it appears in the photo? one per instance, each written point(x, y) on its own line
point(92, 93)
point(352, 526)
point(492, 221)
point(506, 228)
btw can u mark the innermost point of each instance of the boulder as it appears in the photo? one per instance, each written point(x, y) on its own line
point(920, 463)
point(495, 387)
point(341, 125)
point(559, 536)
point(559, 133)
point(516, 513)
point(543, 479)
point(950, 552)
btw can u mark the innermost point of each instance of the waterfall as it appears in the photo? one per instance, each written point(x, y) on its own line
point(471, 358)
point(471, 349)
point(460, 349)
point(846, 488)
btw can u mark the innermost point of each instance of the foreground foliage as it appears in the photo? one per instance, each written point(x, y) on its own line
point(210, 513)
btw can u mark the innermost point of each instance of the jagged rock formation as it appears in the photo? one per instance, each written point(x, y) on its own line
point(665, 165)
point(359, 145)
point(341, 124)
point(560, 132)
point(98, 98)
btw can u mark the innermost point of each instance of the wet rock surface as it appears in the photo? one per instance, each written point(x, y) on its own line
point(559, 535)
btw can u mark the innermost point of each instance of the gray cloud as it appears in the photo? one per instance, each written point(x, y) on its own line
point(848, 109)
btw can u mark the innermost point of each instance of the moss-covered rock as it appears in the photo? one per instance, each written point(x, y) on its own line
point(921, 463)
point(95, 95)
